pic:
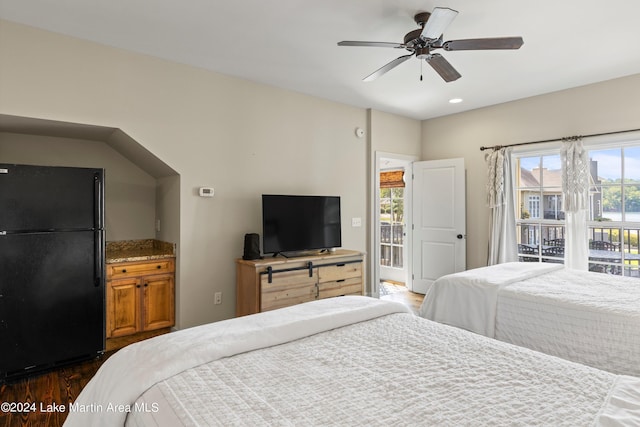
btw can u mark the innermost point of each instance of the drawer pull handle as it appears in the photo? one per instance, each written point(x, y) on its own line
point(146, 284)
point(341, 280)
point(158, 266)
point(124, 270)
point(137, 286)
point(340, 265)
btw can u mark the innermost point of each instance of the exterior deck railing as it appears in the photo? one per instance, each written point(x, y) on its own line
point(612, 250)
point(391, 242)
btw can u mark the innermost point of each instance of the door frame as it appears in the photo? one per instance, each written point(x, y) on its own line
point(375, 217)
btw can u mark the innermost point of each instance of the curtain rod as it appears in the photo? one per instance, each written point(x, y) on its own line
point(566, 138)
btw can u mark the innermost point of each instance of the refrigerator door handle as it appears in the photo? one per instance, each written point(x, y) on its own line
point(98, 266)
point(98, 200)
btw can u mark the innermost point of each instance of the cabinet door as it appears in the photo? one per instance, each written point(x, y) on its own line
point(123, 307)
point(159, 305)
point(287, 288)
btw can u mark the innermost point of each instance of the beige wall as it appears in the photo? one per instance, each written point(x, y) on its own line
point(241, 138)
point(602, 107)
point(130, 193)
point(395, 134)
point(390, 134)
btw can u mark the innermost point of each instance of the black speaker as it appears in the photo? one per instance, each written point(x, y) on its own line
point(251, 246)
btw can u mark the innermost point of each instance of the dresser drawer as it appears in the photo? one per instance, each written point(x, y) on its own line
point(352, 286)
point(331, 273)
point(132, 269)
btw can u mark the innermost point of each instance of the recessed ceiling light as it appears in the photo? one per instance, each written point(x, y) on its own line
point(455, 100)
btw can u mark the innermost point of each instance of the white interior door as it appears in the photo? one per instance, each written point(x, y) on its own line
point(439, 241)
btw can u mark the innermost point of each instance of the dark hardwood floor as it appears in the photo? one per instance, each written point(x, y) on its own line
point(46, 396)
point(50, 392)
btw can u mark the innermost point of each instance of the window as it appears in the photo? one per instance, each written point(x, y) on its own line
point(391, 220)
point(614, 208)
point(540, 219)
point(534, 206)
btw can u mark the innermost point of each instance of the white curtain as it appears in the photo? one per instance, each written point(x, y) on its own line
point(575, 192)
point(500, 198)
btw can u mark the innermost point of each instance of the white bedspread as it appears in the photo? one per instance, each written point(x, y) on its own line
point(591, 318)
point(110, 394)
point(393, 370)
point(468, 299)
point(587, 317)
point(353, 361)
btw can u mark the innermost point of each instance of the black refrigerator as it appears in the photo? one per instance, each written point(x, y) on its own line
point(52, 285)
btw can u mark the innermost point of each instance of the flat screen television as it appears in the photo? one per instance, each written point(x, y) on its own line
point(300, 223)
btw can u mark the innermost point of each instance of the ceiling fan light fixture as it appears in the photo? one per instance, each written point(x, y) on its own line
point(423, 53)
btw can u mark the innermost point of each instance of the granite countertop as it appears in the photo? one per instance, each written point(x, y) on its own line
point(138, 250)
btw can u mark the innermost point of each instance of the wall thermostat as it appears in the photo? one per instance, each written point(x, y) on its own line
point(206, 191)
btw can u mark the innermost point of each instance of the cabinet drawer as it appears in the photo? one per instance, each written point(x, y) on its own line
point(287, 288)
point(332, 273)
point(352, 286)
point(132, 269)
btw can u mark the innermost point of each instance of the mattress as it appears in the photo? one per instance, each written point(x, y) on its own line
point(587, 317)
point(372, 363)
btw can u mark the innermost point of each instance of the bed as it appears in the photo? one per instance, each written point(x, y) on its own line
point(591, 318)
point(346, 361)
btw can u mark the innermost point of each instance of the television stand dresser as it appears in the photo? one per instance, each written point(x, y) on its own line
point(276, 282)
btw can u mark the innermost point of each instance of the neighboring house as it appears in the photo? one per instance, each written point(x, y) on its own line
point(548, 204)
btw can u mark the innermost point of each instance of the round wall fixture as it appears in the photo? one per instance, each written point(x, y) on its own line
point(359, 132)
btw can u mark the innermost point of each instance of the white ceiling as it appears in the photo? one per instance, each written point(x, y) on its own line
point(292, 44)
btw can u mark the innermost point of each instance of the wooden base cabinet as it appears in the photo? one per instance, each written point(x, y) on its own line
point(140, 297)
point(270, 283)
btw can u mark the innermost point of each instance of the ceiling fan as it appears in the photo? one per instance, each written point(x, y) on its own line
point(422, 41)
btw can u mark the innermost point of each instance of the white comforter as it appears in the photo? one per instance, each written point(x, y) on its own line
point(468, 299)
point(354, 361)
point(590, 318)
point(108, 397)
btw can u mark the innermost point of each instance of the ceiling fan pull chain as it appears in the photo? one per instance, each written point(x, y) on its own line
point(420, 70)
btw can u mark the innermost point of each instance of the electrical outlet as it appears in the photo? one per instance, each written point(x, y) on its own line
point(217, 298)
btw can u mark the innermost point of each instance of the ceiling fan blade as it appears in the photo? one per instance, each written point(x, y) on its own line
point(382, 70)
point(483, 44)
point(440, 19)
point(443, 67)
point(370, 44)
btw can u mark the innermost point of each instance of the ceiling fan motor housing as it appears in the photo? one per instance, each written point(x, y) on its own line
point(421, 18)
point(412, 39)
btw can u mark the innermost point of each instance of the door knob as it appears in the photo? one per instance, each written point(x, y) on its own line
point(459, 236)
